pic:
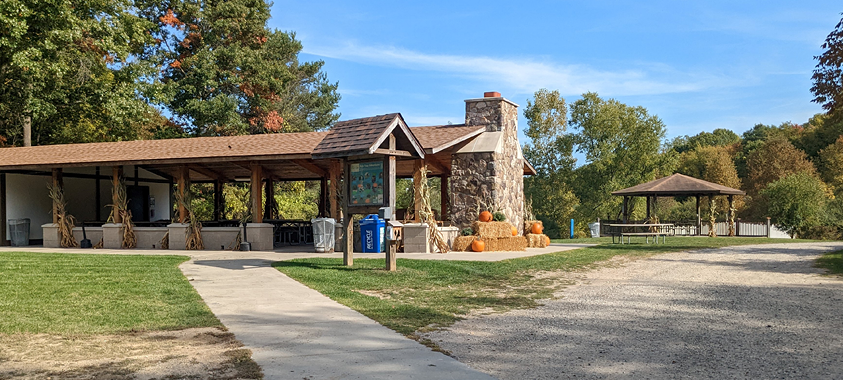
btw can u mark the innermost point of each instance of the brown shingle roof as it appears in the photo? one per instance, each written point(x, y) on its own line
point(678, 184)
point(363, 136)
point(439, 137)
point(210, 149)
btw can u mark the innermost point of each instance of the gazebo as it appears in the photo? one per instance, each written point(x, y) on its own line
point(680, 185)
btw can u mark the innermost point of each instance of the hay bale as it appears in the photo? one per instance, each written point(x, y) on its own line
point(511, 243)
point(463, 243)
point(536, 240)
point(492, 229)
point(528, 225)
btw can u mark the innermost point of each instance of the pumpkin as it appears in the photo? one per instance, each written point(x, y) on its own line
point(478, 245)
point(537, 228)
point(514, 231)
point(546, 240)
point(485, 216)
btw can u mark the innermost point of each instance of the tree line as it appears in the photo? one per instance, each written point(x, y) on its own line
point(791, 172)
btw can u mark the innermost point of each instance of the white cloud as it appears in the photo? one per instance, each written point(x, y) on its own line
point(525, 75)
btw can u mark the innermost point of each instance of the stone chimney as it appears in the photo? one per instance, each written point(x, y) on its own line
point(488, 173)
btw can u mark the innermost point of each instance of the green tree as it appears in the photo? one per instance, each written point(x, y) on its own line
point(68, 69)
point(713, 164)
point(226, 73)
point(622, 147)
point(718, 137)
point(550, 150)
point(772, 161)
point(831, 165)
point(828, 74)
point(796, 202)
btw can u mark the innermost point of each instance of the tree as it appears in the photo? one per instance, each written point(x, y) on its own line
point(550, 150)
point(772, 161)
point(68, 70)
point(831, 165)
point(718, 137)
point(713, 164)
point(796, 202)
point(622, 148)
point(828, 74)
point(226, 73)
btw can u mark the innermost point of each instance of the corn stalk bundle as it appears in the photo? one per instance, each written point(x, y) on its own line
point(165, 241)
point(129, 240)
point(193, 238)
point(712, 214)
point(426, 214)
point(65, 221)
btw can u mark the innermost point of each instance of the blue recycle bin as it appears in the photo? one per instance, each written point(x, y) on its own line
point(372, 234)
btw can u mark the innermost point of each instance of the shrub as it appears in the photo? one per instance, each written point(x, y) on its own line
point(796, 202)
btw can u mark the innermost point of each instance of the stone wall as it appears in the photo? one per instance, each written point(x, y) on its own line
point(492, 180)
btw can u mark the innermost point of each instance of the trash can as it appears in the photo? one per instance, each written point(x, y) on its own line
point(19, 232)
point(323, 234)
point(595, 229)
point(372, 234)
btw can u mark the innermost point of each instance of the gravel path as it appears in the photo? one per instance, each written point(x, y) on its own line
point(760, 312)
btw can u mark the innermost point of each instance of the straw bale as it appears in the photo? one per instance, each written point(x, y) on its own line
point(511, 243)
point(536, 240)
point(492, 229)
point(528, 225)
point(463, 243)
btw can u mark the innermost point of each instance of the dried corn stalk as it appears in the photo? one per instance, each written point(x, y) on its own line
point(193, 238)
point(65, 221)
point(426, 214)
point(165, 241)
point(129, 240)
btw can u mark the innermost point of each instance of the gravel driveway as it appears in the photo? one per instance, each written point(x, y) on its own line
point(759, 312)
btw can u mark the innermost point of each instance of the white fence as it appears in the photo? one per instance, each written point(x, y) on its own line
point(746, 229)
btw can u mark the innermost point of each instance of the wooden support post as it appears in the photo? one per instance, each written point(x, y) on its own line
point(418, 166)
point(731, 215)
point(256, 180)
point(323, 197)
point(391, 253)
point(116, 176)
point(137, 176)
point(183, 183)
point(348, 223)
point(218, 202)
point(625, 209)
point(334, 171)
point(3, 237)
point(172, 196)
point(444, 198)
point(58, 182)
point(389, 169)
point(648, 208)
point(97, 196)
point(699, 217)
point(269, 202)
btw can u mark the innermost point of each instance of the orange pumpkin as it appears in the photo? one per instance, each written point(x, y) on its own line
point(478, 245)
point(514, 231)
point(485, 216)
point(546, 240)
point(537, 228)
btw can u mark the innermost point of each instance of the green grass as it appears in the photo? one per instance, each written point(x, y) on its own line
point(832, 261)
point(96, 294)
point(438, 293)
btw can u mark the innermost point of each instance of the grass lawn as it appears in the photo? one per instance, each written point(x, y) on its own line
point(833, 261)
point(96, 294)
point(433, 292)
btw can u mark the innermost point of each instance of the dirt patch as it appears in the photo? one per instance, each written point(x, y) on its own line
point(202, 353)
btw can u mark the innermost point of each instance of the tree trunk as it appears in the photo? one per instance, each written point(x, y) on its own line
point(27, 130)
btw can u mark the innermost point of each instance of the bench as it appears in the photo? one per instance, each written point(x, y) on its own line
point(647, 235)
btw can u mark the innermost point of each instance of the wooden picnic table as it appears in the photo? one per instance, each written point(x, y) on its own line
point(631, 227)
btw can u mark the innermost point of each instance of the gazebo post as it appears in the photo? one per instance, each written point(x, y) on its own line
point(323, 197)
point(97, 195)
point(418, 166)
point(255, 187)
point(269, 205)
point(648, 207)
point(699, 217)
point(58, 182)
point(183, 183)
point(625, 209)
point(443, 197)
point(2, 209)
point(334, 172)
point(347, 220)
point(218, 203)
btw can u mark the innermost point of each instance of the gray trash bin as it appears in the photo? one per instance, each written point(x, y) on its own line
point(595, 229)
point(19, 232)
point(323, 234)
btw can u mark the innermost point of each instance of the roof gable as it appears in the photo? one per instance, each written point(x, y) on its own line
point(364, 136)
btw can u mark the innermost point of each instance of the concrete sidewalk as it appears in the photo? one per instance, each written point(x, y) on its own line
point(296, 332)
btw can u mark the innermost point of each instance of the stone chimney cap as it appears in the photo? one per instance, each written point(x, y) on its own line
point(492, 94)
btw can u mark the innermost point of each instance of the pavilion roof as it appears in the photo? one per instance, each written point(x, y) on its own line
point(677, 185)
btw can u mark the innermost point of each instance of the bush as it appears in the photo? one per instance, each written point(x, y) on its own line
point(822, 233)
point(796, 202)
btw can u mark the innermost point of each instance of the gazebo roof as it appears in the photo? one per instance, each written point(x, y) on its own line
point(676, 185)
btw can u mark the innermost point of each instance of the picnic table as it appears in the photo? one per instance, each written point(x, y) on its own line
point(647, 230)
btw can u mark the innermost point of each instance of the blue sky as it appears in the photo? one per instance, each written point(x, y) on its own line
point(697, 65)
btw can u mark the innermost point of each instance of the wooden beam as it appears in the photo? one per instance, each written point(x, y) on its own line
point(323, 197)
point(116, 175)
point(418, 166)
point(218, 201)
point(3, 237)
point(431, 160)
point(255, 186)
point(183, 178)
point(393, 152)
point(309, 165)
point(210, 173)
point(97, 196)
point(347, 220)
point(389, 176)
point(269, 203)
point(335, 171)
